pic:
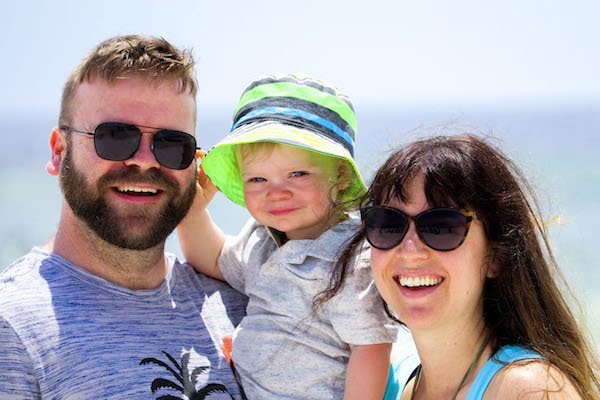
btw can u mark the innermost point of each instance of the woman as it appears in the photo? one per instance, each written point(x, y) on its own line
point(473, 280)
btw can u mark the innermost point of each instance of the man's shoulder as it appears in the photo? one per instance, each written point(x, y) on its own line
point(215, 296)
point(23, 270)
point(24, 284)
point(209, 286)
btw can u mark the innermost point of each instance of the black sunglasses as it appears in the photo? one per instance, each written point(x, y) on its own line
point(441, 229)
point(116, 141)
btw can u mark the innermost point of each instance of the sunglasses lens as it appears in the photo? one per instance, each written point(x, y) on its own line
point(442, 230)
point(384, 228)
point(116, 142)
point(174, 149)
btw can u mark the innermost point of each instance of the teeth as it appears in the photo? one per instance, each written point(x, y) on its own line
point(136, 189)
point(414, 281)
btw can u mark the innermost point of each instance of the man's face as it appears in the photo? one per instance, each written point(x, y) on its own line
point(135, 203)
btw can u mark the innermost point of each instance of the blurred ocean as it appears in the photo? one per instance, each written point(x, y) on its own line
point(558, 148)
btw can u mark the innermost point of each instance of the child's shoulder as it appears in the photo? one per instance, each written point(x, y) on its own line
point(253, 228)
point(346, 228)
point(342, 234)
point(253, 235)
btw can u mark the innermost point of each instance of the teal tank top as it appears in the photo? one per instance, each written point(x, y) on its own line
point(403, 371)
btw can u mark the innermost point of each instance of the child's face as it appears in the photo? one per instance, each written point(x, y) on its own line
point(290, 189)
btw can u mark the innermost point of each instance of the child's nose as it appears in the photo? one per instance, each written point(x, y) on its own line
point(278, 192)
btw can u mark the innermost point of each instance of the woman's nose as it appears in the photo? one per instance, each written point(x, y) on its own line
point(412, 247)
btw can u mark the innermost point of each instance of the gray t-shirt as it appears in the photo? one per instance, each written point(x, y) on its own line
point(281, 349)
point(70, 335)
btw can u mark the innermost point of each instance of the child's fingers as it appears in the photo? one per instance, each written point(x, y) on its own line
point(200, 154)
point(204, 181)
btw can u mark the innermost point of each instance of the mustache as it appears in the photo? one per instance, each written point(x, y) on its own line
point(152, 177)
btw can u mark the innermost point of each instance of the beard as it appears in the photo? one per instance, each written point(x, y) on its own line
point(89, 205)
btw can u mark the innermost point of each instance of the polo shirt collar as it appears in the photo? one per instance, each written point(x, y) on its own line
point(326, 247)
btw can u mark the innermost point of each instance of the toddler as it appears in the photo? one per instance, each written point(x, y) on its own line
point(289, 160)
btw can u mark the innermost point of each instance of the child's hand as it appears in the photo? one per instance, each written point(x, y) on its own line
point(200, 238)
point(206, 190)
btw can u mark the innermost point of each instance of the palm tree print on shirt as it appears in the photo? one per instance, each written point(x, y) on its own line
point(187, 380)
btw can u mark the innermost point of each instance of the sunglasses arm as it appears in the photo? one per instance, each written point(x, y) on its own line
point(68, 128)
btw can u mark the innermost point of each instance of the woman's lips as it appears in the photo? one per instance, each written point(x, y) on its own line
point(418, 286)
point(423, 280)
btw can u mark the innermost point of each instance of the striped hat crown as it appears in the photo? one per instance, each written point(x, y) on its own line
point(291, 109)
point(298, 101)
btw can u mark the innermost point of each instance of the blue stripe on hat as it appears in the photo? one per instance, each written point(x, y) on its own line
point(302, 114)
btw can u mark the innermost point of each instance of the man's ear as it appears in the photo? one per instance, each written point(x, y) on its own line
point(58, 146)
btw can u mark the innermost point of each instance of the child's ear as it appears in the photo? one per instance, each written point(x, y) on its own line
point(343, 178)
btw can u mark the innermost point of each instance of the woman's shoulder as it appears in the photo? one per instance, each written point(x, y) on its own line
point(531, 379)
point(402, 370)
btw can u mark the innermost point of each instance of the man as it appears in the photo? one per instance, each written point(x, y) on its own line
point(101, 311)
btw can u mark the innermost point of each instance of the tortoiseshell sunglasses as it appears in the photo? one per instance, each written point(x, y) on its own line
point(442, 229)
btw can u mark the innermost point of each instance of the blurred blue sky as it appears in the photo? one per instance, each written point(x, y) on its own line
point(383, 53)
point(535, 64)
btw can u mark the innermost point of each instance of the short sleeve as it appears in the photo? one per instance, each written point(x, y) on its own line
point(357, 312)
point(17, 380)
point(244, 254)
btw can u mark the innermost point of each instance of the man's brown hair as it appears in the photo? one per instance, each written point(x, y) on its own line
point(130, 55)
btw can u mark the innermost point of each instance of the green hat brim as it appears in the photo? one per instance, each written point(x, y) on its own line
point(221, 166)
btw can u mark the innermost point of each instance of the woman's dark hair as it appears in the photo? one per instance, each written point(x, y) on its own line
point(523, 302)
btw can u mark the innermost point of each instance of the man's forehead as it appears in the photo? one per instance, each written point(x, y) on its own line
point(137, 81)
point(131, 97)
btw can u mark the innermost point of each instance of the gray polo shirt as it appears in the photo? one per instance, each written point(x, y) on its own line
point(282, 349)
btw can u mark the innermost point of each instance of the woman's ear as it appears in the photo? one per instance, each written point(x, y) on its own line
point(492, 266)
point(58, 146)
point(493, 270)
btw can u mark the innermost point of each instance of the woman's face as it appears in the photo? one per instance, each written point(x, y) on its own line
point(428, 288)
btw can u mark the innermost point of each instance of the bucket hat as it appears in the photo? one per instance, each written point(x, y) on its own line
point(291, 109)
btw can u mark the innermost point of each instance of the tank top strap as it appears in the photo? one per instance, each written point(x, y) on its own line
point(505, 355)
point(401, 372)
